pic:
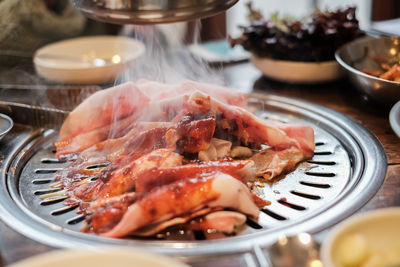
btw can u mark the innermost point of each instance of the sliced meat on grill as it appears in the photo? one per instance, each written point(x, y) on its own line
point(190, 151)
point(270, 163)
point(159, 176)
point(156, 91)
point(103, 108)
point(185, 196)
point(252, 129)
point(115, 180)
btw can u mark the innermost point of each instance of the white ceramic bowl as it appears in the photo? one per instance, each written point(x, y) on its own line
point(394, 118)
point(298, 72)
point(87, 60)
point(100, 257)
point(379, 229)
point(6, 124)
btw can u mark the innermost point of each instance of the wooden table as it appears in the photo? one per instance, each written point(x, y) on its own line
point(340, 96)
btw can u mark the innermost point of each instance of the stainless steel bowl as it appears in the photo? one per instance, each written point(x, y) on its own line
point(358, 55)
point(150, 11)
point(6, 123)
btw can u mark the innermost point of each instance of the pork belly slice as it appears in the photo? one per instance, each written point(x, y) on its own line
point(223, 221)
point(102, 108)
point(159, 176)
point(270, 163)
point(110, 152)
point(252, 129)
point(125, 178)
point(108, 106)
point(157, 91)
point(185, 196)
point(118, 179)
point(109, 148)
point(155, 228)
point(106, 213)
point(215, 219)
point(185, 135)
point(85, 140)
point(121, 153)
point(303, 134)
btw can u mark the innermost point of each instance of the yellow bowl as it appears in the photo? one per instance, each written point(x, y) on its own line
point(115, 257)
point(368, 238)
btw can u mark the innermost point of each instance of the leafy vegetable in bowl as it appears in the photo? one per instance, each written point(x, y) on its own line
point(313, 39)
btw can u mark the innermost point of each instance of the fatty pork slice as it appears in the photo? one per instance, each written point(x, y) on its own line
point(108, 106)
point(251, 129)
point(269, 163)
point(182, 197)
point(159, 176)
point(157, 91)
point(118, 179)
point(192, 136)
point(103, 108)
point(111, 153)
point(152, 115)
point(222, 221)
point(68, 148)
point(124, 178)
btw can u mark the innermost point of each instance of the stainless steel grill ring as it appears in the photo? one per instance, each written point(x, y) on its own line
point(348, 168)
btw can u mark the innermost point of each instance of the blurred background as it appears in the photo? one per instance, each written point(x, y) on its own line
point(370, 13)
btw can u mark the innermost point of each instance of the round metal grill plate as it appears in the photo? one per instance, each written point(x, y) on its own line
point(348, 168)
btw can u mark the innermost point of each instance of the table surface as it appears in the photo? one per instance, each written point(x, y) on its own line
point(340, 96)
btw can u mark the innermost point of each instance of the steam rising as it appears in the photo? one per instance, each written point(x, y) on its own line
point(167, 58)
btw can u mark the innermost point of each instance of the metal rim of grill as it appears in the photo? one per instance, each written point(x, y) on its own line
point(348, 168)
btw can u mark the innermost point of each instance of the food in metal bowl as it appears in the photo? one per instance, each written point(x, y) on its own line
point(145, 156)
point(390, 68)
point(362, 54)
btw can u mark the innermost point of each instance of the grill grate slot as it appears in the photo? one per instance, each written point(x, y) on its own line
point(321, 174)
point(53, 200)
point(46, 171)
point(273, 214)
point(253, 224)
point(315, 185)
point(51, 161)
point(63, 210)
point(323, 153)
point(76, 220)
point(319, 143)
point(97, 166)
point(42, 181)
point(305, 195)
point(199, 235)
point(326, 163)
point(47, 191)
point(291, 205)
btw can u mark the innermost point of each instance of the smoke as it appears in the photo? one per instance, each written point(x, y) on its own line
point(167, 57)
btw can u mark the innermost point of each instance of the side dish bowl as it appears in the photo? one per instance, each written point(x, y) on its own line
point(6, 124)
point(120, 257)
point(87, 60)
point(298, 72)
point(360, 54)
point(394, 118)
point(372, 237)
